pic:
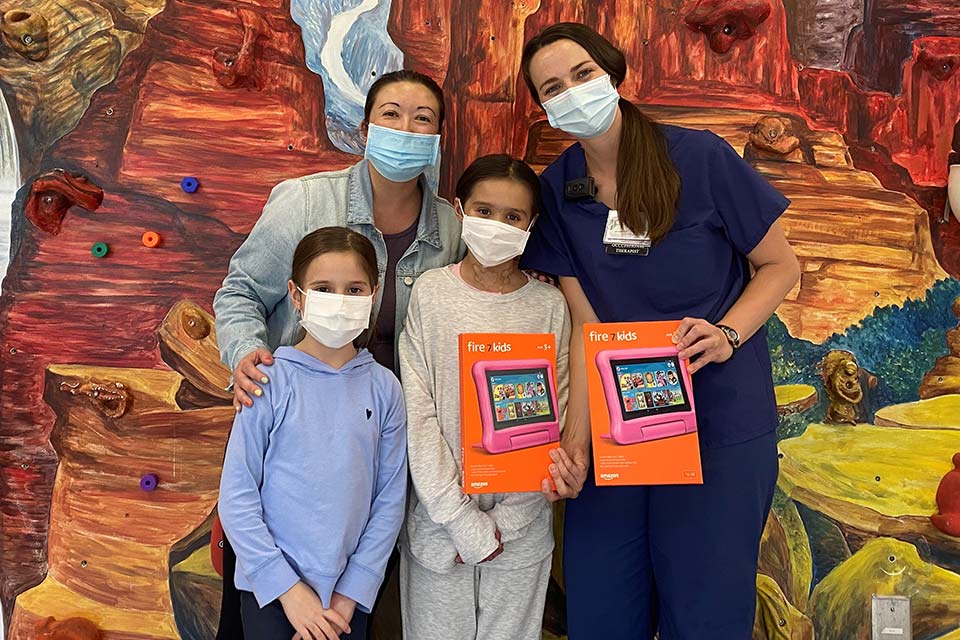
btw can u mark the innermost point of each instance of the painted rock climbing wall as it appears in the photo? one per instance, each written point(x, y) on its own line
point(112, 413)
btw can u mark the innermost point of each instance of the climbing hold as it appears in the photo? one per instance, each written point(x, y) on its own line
point(723, 22)
point(216, 545)
point(948, 501)
point(99, 249)
point(150, 239)
point(54, 192)
point(189, 184)
point(149, 482)
point(240, 66)
point(26, 33)
point(941, 64)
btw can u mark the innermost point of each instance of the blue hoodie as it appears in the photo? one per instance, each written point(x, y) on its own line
point(315, 477)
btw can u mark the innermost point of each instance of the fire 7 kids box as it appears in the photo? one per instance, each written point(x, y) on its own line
point(509, 415)
point(642, 410)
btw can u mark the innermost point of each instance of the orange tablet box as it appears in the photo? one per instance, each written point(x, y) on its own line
point(642, 408)
point(509, 416)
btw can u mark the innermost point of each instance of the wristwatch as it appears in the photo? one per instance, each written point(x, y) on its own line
point(732, 336)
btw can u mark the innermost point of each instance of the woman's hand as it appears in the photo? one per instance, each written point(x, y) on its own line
point(698, 338)
point(496, 552)
point(247, 376)
point(307, 615)
point(542, 277)
point(569, 472)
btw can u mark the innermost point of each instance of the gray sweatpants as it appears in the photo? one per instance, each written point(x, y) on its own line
point(472, 603)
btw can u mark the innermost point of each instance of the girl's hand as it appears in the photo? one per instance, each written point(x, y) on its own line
point(569, 472)
point(496, 552)
point(247, 377)
point(698, 338)
point(343, 605)
point(306, 614)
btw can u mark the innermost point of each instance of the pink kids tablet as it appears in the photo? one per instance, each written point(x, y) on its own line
point(648, 394)
point(518, 404)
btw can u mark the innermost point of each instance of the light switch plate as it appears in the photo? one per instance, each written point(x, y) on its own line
point(891, 618)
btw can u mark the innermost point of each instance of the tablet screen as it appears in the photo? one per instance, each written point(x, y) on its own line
point(650, 386)
point(520, 396)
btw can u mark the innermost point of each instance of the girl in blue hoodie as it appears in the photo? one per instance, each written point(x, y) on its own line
point(314, 479)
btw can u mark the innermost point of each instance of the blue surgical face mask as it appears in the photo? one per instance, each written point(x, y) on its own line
point(401, 156)
point(586, 110)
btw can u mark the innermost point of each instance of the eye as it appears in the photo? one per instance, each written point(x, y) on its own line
point(483, 211)
point(584, 73)
point(389, 114)
point(423, 118)
point(552, 89)
point(355, 291)
point(513, 217)
point(321, 288)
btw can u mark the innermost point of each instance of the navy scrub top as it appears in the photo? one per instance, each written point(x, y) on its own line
point(699, 269)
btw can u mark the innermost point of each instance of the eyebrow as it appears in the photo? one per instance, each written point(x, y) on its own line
point(510, 209)
point(397, 105)
point(573, 69)
point(327, 282)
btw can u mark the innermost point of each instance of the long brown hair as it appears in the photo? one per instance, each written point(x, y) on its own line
point(648, 185)
point(334, 240)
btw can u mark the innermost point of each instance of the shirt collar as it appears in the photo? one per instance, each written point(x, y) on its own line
point(360, 205)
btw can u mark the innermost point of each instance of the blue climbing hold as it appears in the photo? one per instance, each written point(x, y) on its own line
point(189, 184)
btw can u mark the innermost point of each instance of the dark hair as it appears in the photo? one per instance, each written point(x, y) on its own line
point(648, 185)
point(498, 166)
point(403, 75)
point(334, 240)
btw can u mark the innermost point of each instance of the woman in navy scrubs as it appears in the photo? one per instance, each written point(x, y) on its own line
point(678, 559)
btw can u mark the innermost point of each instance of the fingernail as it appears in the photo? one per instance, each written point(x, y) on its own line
point(554, 454)
point(553, 468)
point(258, 392)
point(264, 380)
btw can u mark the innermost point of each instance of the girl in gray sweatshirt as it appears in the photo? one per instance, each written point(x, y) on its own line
point(474, 567)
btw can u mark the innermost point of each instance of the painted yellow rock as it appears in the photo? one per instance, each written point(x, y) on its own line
point(942, 412)
point(797, 573)
point(840, 605)
point(872, 480)
point(776, 618)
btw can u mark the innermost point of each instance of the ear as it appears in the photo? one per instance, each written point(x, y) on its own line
point(364, 128)
point(458, 209)
point(295, 295)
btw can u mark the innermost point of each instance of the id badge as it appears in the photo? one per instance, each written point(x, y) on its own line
point(620, 240)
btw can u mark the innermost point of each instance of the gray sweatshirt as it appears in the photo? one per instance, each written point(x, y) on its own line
point(442, 521)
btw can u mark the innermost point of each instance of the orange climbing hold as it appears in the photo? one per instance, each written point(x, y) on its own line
point(151, 239)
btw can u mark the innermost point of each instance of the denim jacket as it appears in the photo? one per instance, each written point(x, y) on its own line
point(252, 307)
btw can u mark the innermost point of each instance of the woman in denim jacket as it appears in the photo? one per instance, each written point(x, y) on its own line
point(386, 198)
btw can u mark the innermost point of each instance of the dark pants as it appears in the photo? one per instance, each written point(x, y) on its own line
point(231, 622)
point(270, 622)
point(680, 559)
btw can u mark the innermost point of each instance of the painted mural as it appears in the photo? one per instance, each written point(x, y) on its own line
point(113, 417)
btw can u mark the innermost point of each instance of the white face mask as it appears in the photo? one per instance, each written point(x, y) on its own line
point(586, 110)
point(335, 320)
point(492, 242)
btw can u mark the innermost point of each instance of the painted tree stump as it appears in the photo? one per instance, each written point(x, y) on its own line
point(873, 481)
point(941, 412)
point(188, 343)
point(795, 398)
